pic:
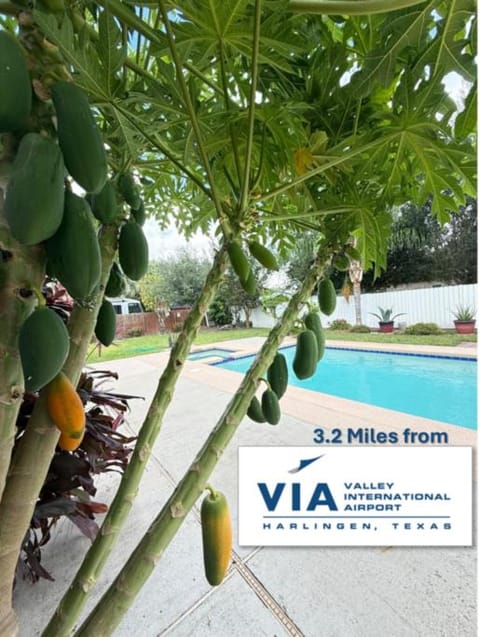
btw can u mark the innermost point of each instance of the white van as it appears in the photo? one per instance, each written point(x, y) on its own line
point(127, 306)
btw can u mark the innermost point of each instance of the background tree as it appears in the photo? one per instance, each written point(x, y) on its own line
point(420, 249)
point(176, 281)
point(149, 289)
point(456, 256)
point(219, 312)
point(232, 294)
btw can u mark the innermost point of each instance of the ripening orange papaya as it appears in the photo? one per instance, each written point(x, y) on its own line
point(216, 535)
point(65, 407)
point(71, 442)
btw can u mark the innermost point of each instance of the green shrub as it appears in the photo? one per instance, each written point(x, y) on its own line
point(339, 324)
point(360, 329)
point(133, 333)
point(420, 329)
point(219, 312)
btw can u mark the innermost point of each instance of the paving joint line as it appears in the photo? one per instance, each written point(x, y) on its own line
point(176, 622)
point(266, 597)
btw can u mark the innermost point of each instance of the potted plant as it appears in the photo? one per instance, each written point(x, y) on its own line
point(464, 319)
point(385, 319)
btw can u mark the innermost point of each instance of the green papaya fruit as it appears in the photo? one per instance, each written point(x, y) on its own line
point(43, 344)
point(327, 297)
point(277, 375)
point(263, 255)
point(74, 250)
point(15, 85)
point(133, 251)
point(271, 407)
point(250, 285)
point(106, 323)
point(53, 6)
point(104, 204)
point(217, 537)
point(312, 322)
point(239, 261)
point(129, 190)
point(34, 201)
point(79, 137)
point(116, 282)
point(139, 215)
point(254, 411)
point(306, 355)
point(341, 262)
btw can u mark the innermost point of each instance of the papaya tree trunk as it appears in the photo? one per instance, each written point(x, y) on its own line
point(119, 597)
point(30, 463)
point(21, 268)
point(356, 274)
point(72, 603)
point(357, 299)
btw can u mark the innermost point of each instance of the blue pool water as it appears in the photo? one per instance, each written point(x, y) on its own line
point(207, 353)
point(437, 388)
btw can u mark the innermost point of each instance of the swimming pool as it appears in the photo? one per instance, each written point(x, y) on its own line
point(438, 388)
point(208, 353)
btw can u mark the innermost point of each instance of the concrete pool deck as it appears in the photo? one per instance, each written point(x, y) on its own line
point(316, 592)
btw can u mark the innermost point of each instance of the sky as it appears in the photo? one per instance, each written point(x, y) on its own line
point(165, 243)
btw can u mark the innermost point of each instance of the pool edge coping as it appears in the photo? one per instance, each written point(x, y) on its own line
point(348, 346)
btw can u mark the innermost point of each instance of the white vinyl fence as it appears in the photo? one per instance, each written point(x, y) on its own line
point(424, 305)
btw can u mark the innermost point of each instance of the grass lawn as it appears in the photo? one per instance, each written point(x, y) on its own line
point(155, 343)
point(447, 339)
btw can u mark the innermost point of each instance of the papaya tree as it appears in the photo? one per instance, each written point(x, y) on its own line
point(247, 115)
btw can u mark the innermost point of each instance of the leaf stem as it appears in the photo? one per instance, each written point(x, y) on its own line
point(162, 148)
point(336, 161)
point(231, 128)
point(188, 101)
point(129, 18)
point(39, 296)
point(251, 114)
point(350, 7)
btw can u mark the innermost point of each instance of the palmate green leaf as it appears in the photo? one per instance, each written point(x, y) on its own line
point(407, 28)
point(466, 121)
point(448, 50)
point(123, 133)
point(422, 101)
point(434, 34)
point(359, 216)
point(415, 163)
point(372, 233)
point(89, 73)
point(209, 29)
point(111, 49)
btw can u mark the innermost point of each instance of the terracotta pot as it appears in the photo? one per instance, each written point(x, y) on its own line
point(465, 327)
point(386, 327)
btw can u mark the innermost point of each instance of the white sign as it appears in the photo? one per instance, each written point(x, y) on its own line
point(355, 496)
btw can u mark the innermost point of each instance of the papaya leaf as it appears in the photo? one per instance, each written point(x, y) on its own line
point(448, 51)
point(83, 57)
point(466, 121)
point(405, 28)
point(110, 47)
